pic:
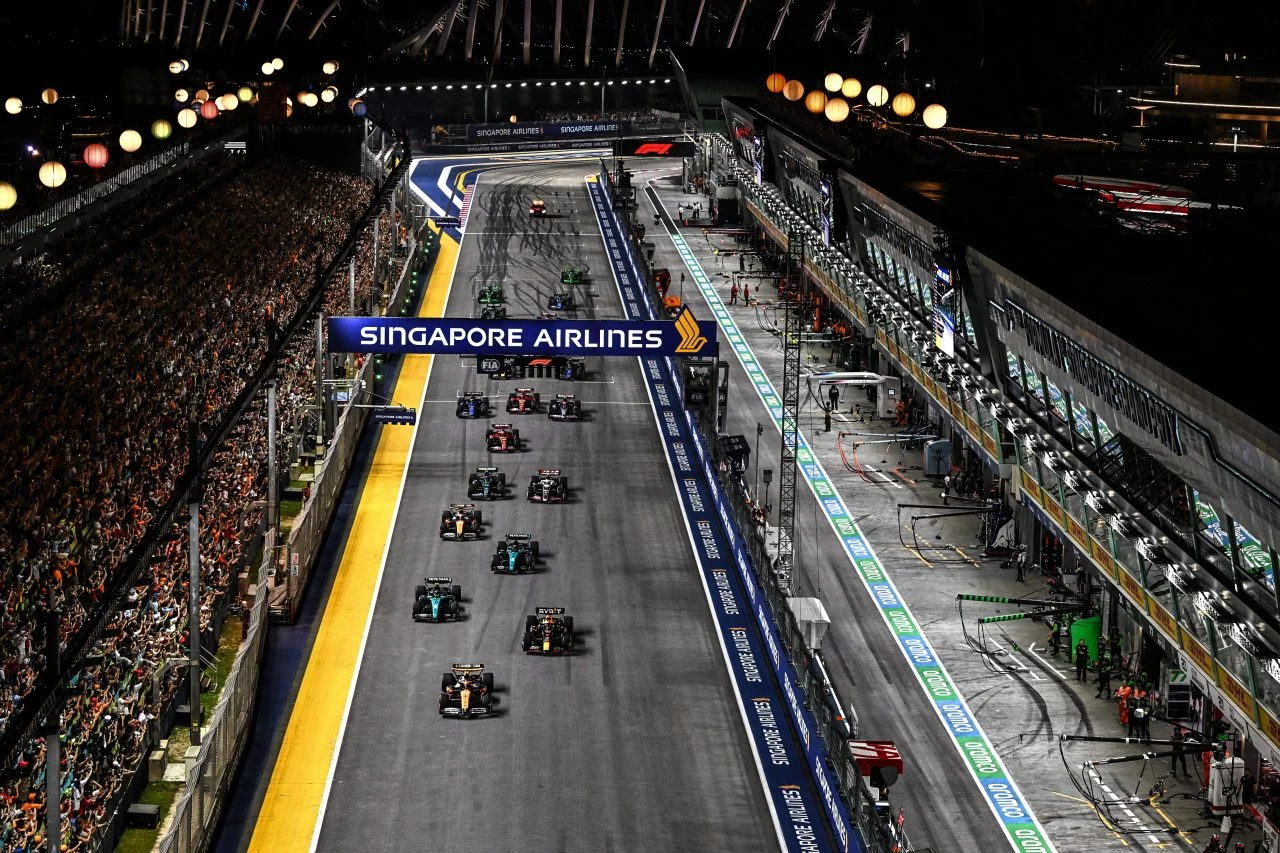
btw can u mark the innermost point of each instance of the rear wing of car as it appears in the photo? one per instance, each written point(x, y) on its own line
point(500, 426)
point(548, 472)
point(486, 470)
point(465, 394)
point(523, 391)
point(467, 667)
point(549, 611)
point(566, 397)
point(445, 581)
point(519, 537)
point(462, 506)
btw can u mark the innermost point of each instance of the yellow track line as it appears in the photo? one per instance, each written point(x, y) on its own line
point(291, 807)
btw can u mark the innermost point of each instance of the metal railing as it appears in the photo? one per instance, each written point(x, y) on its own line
point(880, 833)
point(224, 739)
point(63, 208)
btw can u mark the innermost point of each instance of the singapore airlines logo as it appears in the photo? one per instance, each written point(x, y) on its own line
point(691, 339)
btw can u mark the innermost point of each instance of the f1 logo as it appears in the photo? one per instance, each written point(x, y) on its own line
point(659, 149)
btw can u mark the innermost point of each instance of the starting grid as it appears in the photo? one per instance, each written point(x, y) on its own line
point(1015, 815)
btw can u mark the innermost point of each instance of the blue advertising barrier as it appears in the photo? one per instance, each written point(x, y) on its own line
point(534, 130)
point(462, 336)
point(729, 589)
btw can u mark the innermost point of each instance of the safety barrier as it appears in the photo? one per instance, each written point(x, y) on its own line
point(307, 534)
point(814, 706)
point(197, 809)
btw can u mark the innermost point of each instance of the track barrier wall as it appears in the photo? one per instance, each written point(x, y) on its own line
point(197, 808)
point(785, 649)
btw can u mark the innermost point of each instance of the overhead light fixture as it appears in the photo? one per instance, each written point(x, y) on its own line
point(522, 85)
point(435, 86)
point(404, 88)
point(418, 87)
point(508, 85)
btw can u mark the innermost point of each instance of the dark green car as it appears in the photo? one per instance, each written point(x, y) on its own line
point(572, 275)
point(491, 294)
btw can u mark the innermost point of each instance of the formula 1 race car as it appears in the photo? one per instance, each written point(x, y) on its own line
point(491, 294)
point(523, 401)
point(503, 438)
point(437, 599)
point(565, 407)
point(487, 484)
point(473, 404)
point(537, 207)
point(548, 632)
point(562, 302)
point(460, 521)
point(572, 275)
point(466, 690)
point(548, 487)
point(493, 312)
point(517, 553)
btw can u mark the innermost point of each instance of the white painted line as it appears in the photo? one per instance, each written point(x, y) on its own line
point(702, 576)
point(1031, 650)
point(377, 587)
point(1036, 828)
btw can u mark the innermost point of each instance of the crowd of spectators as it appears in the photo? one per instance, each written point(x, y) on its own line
point(583, 114)
point(94, 440)
point(93, 243)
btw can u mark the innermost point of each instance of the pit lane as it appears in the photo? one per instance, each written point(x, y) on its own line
point(633, 744)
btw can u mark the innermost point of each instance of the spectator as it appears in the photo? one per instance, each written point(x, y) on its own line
point(100, 392)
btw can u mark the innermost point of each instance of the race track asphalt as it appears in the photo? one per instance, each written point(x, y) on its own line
point(633, 744)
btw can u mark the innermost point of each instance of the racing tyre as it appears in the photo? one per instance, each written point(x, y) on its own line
point(568, 631)
point(487, 680)
point(457, 593)
point(534, 548)
point(502, 482)
point(529, 622)
point(446, 681)
point(479, 518)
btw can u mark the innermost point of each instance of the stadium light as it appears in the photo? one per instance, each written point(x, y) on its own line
point(508, 85)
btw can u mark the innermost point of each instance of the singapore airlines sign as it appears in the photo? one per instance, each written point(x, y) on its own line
point(460, 336)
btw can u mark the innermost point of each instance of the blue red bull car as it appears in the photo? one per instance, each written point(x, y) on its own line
point(548, 632)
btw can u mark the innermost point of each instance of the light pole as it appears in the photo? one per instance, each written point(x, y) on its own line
point(755, 488)
point(768, 478)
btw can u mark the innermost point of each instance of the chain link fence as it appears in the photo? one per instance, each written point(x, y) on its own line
point(224, 739)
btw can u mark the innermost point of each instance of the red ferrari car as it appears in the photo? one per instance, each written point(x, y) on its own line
point(503, 438)
point(523, 401)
